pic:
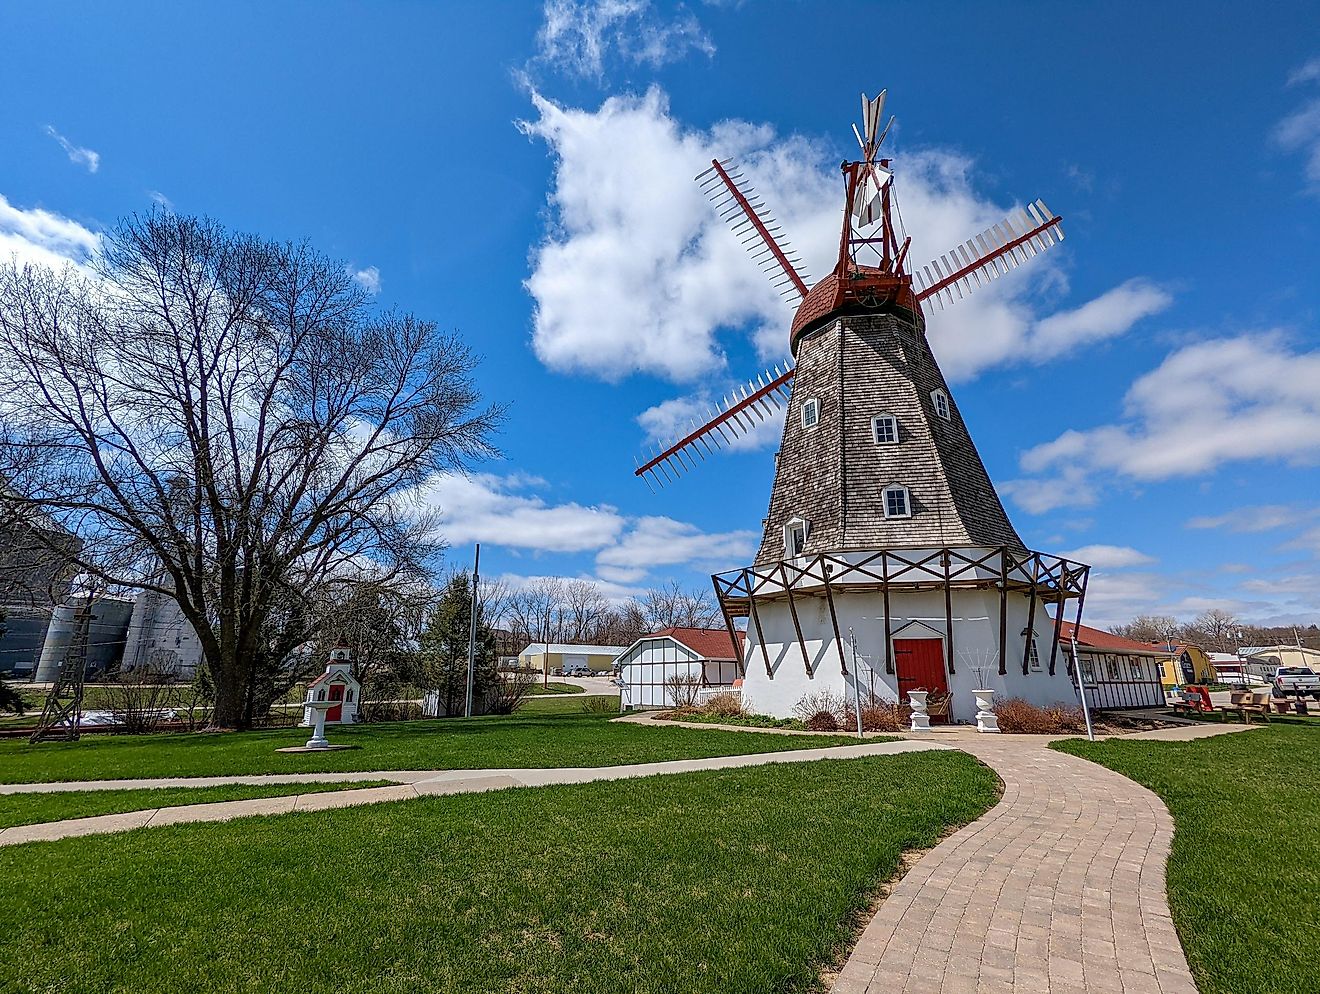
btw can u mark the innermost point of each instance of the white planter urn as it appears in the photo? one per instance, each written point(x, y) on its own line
point(986, 720)
point(920, 719)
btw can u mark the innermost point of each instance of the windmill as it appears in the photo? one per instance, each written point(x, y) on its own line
point(852, 284)
point(883, 521)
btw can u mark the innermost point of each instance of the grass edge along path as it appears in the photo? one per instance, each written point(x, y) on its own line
point(39, 808)
point(1243, 877)
point(738, 880)
point(496, 742)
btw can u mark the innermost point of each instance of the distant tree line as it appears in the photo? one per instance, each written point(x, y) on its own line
point(1215, 630)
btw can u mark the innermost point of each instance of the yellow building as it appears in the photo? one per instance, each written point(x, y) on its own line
point(1186, 664)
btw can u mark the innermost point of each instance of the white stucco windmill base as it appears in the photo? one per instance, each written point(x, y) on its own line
point(871, 640)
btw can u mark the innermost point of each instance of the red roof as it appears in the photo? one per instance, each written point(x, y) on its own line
point(1097, 639)
point(708, 643)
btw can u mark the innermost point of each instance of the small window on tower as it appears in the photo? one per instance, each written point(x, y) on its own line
point(795, 537)
point(941, 401)
point(884, 427)
point(896, 502)
point(810, 413)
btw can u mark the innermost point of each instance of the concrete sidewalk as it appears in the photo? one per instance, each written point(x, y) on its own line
point(411, 784)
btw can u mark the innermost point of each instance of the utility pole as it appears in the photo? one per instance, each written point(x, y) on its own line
point(472, 631)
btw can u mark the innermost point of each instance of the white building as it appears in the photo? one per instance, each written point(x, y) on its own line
point(557, 657)
point(707, 657)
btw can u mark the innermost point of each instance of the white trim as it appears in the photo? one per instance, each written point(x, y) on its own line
point(939, 398)
point(791, 525)
point(875, 426)
point(811, 404)
point(907, 500)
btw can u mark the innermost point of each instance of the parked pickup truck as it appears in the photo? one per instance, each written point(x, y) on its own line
point(1289, 681)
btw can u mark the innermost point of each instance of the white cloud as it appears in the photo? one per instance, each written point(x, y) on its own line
point(1300, 130)
point(1260, 518)
point(578, 36)
point(503, 511)
point(638, 273)
point(1111, 314)
point(43, 237)
point(1308, 72)
point(367, 278)
point(488, 508)
point(77, 154)
point(660, 541)
point(161, 199)
point(1109, 556)
point(1251, 397)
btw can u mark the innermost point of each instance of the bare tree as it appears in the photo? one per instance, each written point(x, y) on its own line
point(672, 606)
point(1214, 630)
point(222, 419)
point(536, 612)
point(585, 610)
point(1150, 628)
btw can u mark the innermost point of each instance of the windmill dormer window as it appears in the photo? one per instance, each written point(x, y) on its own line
point(941, 402)
point(810, 413)
point(897, 504)
point(884, 429)
point(795, 537)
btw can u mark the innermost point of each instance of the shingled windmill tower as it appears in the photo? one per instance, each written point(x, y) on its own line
point(887, 560)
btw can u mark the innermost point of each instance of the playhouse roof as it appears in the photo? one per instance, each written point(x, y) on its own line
point(708, 643)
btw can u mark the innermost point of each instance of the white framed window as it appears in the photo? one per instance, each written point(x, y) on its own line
point(941, 401)
point(884, 429)
point(795, 537)
point(810, 413)
point(1033, 653)
point(897, 503)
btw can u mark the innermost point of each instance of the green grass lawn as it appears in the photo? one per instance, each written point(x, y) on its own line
point(554, 687)
point(526, 739)
point(731, 881)
point(568, 705)
point(30, 809)
point(1244, 874)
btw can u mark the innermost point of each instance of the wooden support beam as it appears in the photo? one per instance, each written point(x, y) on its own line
point(1003, 611)
point(1058, 615)
point(948, 611)
point(1077, 618)
point(733, 632)
point(834, 621)
point(1031, 620)
point(884, 572)
point(792, 610)
point(760, 635)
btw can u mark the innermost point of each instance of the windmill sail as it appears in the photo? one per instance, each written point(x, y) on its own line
point(991, 254)
point(751, 404)
point(731, 194)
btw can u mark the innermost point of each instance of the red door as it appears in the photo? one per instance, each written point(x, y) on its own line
point(920, 666)
point(336, 713)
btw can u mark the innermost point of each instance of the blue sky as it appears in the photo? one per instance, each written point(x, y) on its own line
point(1147, 395)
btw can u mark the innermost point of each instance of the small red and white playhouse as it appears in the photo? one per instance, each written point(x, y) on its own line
point(337, 684)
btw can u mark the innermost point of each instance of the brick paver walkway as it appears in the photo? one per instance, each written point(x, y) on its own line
point(1059, 889)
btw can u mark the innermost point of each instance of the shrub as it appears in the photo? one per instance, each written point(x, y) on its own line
point(823, 702)
point(600, 705)
point(1016, 715)
point(823, 721)
point(681, 689)
point(886, 716)
point(725, 705)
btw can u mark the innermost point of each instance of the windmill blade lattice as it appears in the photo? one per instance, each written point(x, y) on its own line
point(991, 254)
point(738, 204)
point(751, 404)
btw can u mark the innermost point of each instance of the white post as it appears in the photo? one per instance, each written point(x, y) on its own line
point(857, 680)
point(1081, 690)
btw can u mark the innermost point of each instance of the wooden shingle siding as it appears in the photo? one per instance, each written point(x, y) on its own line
point(834, 474)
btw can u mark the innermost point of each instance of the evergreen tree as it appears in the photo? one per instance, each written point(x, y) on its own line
point(444, 650)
